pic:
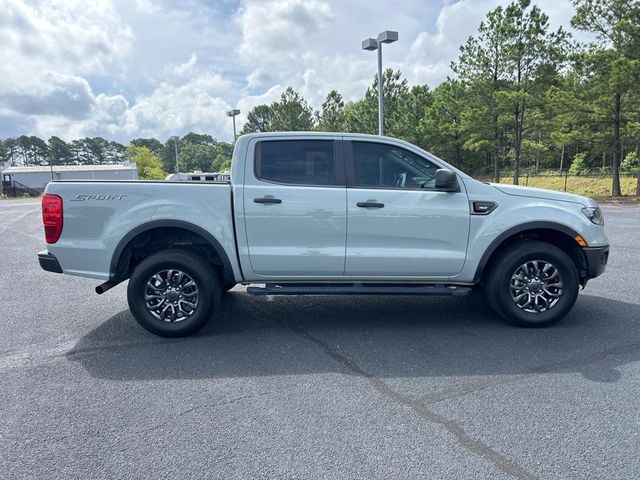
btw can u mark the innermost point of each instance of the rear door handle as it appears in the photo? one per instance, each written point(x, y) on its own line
point(370, 204)
point(267, 200)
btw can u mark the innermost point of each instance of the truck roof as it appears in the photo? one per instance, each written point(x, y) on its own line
point(319, 134)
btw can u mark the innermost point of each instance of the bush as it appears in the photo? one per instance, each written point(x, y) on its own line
point(630, 163)
point(149, 165)
point(579, 164)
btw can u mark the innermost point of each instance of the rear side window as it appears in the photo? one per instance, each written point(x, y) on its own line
point(304, 162)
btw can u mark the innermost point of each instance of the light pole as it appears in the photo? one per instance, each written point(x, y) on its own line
point(232, 114)
point(376, 44)
point(175, 145)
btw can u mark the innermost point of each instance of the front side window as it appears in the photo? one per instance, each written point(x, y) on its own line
point(305, 162)
point(378, 165)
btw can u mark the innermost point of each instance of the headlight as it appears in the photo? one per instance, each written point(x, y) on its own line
point(594, 214)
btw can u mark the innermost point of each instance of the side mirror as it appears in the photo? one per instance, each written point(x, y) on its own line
point(446, 180)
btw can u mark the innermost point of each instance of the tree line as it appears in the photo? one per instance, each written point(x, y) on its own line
point(523, 99)
point(196, 152)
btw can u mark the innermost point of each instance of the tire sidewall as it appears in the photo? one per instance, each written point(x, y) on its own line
point(517, 257)
point(204, 277)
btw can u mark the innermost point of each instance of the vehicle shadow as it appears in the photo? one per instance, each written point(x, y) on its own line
point(386, 336)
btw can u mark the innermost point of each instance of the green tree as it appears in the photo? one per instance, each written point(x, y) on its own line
point(192, 138)
point(95, 150)
point(611, 61)
point(153, 144)
point(292, 113)
point(412, 108)
point(483, 67)
point(362, 116)
point(149, 165)
point(224, 152)
point(442, 125)
point(169, 157)
point(4, 153)
point(630, 163)
point(578, 165)
point(197, 158)
point(10, 147)
point(59, 151)
point(331, 118)
point(222, 163)
point(509, 62)
point(534, 55)
point(32, 150)
point(259, 119)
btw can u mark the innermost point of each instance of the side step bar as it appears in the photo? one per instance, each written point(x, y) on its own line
point(358, 289)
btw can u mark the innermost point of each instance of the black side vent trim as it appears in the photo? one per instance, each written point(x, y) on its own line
point(479, 207)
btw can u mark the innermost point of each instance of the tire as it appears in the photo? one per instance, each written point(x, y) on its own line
point(228, 286)
point(542, 302)
point(179, 319)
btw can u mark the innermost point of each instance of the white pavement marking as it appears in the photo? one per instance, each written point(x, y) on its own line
point(32, 204)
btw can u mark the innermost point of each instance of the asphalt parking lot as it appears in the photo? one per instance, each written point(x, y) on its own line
point(315, 387)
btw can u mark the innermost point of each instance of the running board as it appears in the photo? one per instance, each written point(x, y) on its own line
point(358, 289)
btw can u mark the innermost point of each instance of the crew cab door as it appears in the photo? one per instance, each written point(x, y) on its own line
point(295, 207)
point(398, 224)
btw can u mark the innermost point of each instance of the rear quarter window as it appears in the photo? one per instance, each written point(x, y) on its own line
point(303, 162)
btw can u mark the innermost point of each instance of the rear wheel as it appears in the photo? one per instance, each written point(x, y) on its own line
point(227, 286)
point(172, 293)
point(532, 284)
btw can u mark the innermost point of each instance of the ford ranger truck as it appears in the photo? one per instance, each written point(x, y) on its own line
point(325, 214)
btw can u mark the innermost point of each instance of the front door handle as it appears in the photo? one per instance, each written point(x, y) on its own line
point(370, 204)
point(267, 200)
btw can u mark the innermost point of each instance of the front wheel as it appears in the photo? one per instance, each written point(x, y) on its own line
point(172, 293)
point(532, 284)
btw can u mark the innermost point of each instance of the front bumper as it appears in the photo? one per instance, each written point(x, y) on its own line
point(49, 262)
point(597, 258)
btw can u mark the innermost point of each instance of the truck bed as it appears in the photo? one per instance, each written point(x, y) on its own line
point(99, 215)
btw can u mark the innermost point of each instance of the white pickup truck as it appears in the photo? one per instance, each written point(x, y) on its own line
point(325, 214)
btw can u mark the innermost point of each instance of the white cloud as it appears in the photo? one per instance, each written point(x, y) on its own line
point(122, 68)
point(173, 109)
point(71, 36)
point(280, 27)
point(183, 69)
point(147, 6)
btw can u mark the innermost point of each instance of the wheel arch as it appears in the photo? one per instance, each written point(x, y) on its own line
point(120, 266)
point(551, 232)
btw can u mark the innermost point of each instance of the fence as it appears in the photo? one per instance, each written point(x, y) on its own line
point(591, 185)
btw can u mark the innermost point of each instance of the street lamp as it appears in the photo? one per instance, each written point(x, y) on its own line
point(175, 145)
point(376, 44)
point(232, 114)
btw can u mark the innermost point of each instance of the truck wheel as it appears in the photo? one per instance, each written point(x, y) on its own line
point(532, 284)
point(172, 293)
point(227, 286)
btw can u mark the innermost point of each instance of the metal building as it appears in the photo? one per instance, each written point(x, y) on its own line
point(17, 181)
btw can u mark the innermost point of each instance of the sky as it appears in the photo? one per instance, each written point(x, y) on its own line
point(123, 69)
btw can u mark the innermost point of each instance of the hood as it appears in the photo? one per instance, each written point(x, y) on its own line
point(532, 192)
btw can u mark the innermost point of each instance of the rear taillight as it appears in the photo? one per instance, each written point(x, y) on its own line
point(52, 217)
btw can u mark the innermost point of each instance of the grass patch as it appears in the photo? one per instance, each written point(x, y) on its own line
point(596, 187)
